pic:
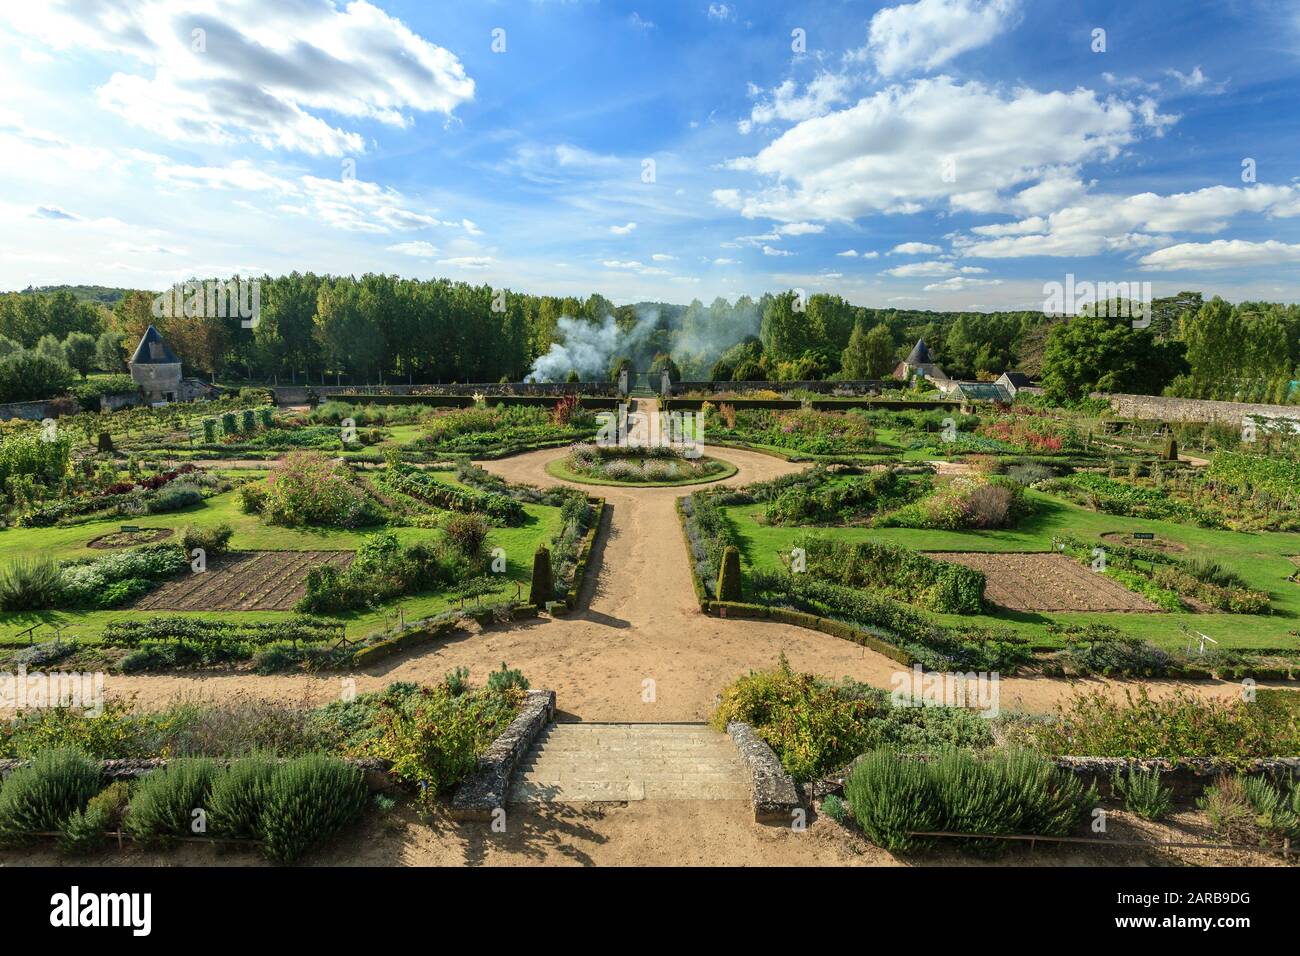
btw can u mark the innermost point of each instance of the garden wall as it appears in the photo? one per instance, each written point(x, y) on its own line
point(39, 411)
point(858, 388)
point(1161, 409)
point(484, 790)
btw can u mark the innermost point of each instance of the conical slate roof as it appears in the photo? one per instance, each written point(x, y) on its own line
point(920, 354)
point(153, 350)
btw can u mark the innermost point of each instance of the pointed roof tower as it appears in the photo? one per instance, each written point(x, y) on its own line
point(920, 354)
point(154, 350)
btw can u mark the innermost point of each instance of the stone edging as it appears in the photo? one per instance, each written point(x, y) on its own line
point(774, 795)
point(484, 790)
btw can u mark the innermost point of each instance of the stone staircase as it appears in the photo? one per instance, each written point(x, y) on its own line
point(593, 762)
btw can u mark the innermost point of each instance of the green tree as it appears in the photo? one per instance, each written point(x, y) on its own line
point(108, 352)
point(1090, 353)
point(79, 352)
point(869, 355)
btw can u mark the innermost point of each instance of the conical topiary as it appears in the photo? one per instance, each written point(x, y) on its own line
point(543, 586)
point(729, 575)
point(1171, 449)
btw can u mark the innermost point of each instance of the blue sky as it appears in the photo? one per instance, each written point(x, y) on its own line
point(964, 151)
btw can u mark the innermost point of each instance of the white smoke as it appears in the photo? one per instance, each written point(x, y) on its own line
point(588, 348)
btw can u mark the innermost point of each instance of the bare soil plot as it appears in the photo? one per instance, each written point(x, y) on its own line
point(1157, 544)
point(243, 581)
point(1046, 582)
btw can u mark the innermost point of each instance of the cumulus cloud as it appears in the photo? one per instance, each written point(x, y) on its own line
point(787, 104)
point(929, 33)
point(1221, 254)
point(958, 283)
point(914, 249)
point(911, 146)
point(253, 70)
point(932, 269)
point(623, 230)
point(1097, 223)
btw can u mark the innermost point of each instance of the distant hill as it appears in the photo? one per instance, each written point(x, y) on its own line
point(106, 295)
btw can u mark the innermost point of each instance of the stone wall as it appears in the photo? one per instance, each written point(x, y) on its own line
point(847, 389)
point(39, 411)
point(1161, 409)
point(484, 790)
point(772, 790)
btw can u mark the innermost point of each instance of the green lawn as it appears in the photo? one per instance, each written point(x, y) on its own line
point(252, 534)
point(1260, 558)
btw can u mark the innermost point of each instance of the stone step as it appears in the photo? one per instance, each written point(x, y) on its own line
point(592, 763)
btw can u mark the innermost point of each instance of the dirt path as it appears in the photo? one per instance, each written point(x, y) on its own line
point(640, 650)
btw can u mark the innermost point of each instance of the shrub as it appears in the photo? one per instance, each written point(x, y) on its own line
point(309, 488)
point(1011, 791)
point(891, 796)
point(165, 800)
point(174, 497)
point(1142, 793)
point(542, 588)
point(84, 831)
point(30, 584)
point(252, 498)
point(213, 541)
point(833, 807)
point(505, 679)
point(468, 533)
point(1179, 726)
point(729, 581)
point(432, 737)
point(40, 796)
point(238, 795)
point(307, 800)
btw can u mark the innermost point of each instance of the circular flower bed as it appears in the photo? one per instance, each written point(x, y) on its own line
point(623, 465)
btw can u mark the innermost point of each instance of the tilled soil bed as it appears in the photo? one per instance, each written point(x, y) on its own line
point(243, 581)
point(1046, 582)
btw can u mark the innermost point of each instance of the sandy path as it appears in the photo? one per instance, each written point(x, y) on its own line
point(640, 650)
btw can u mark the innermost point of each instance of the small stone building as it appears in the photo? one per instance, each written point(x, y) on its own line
point(920, 362)
point(156, 369)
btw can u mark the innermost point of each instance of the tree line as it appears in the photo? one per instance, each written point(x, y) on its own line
point(379, 329)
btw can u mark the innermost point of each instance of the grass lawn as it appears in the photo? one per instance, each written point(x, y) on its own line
point(1260, 558)
point(252, 534)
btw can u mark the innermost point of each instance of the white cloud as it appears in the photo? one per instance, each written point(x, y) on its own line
point(1221, 254)
point(720, 11)
point(1197, 82)
point(471, 228)
point(889, 152)
point(1095, 224)
point(914, 249)
point(929, 33)
point(932, 269)
point(623, 230)
point(662, 257)
point(725, 262)
point(423, 250)
point(469, 262)
point(773, 251)
point(250, 70)
point(787, 105)
point(800, 229)
point(958, 283)
point(848, 253)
